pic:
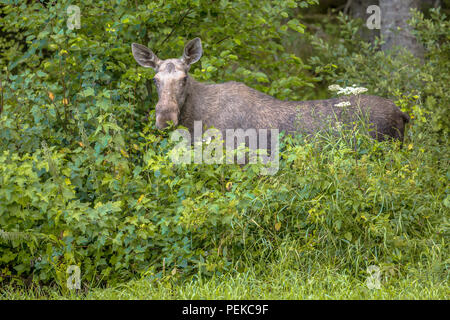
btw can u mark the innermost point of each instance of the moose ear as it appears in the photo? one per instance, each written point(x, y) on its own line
point(192, 51)
point(144, 56)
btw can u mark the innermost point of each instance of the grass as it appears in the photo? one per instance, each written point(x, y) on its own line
point(288, 285)
point(273, 281)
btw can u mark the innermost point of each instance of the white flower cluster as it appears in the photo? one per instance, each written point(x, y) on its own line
point(334, 87)
point(343, 104)
point(354, 90)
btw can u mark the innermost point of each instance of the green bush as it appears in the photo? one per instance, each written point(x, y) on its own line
point(384, 204)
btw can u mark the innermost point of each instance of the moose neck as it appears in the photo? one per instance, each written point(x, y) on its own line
point(195, 105)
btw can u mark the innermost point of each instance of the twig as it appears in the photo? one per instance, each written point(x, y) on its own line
point(173, 29)
point(58, 115)
point(347, 6)
point(222, 40)
point(1, 99)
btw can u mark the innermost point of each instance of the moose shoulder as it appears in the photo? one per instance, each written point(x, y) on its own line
point(233, 105)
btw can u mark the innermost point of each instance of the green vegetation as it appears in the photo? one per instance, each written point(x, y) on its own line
point(281, 281)
point(86, 180)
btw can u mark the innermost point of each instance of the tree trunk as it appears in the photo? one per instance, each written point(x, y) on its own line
point(358, 10)
point(394, 27)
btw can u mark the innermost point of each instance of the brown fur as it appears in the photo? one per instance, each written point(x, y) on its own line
point(233, 105)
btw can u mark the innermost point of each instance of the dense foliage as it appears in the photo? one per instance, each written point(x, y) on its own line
point(414, 84)
point(85, 177)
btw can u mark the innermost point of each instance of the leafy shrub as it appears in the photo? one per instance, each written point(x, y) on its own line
point(380, 202)
point(86, 178)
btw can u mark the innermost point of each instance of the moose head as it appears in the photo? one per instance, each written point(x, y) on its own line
point(171, 79)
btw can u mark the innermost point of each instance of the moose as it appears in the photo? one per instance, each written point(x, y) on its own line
point(233, 105)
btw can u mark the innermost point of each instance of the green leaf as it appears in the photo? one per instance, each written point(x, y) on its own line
point(295, 25)
point(87, 92)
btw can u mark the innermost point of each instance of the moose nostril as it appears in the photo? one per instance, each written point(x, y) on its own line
point(162, 119)
point(158, 122)
point(174, 118)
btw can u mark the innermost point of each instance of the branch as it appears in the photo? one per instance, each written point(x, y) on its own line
point(1, 98)
point(173, 30)
point(347, 6)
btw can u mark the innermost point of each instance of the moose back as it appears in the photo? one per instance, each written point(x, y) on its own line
point(233, 105)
